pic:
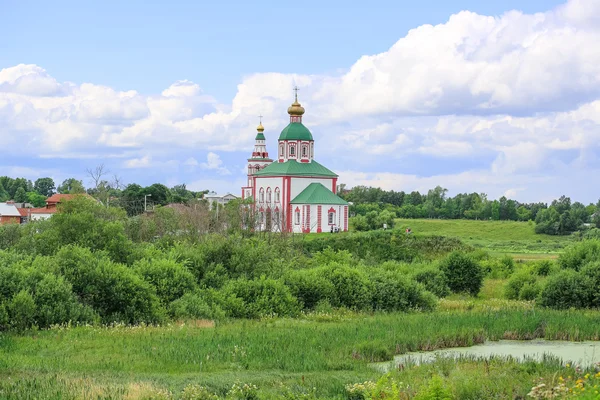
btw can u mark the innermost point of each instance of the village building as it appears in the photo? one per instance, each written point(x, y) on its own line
point(294, 193)
point(222, 199)
point(9, 214)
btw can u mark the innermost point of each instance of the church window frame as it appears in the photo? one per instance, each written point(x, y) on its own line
point(262, 195)
point(297, 216)
point(331, 216)
point(292, 150)
point(268, 195)
point(304, 151)
point(281, 147)
point(277, 195)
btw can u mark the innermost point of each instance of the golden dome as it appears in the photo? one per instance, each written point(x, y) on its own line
point(260, 127)
point(296, 108)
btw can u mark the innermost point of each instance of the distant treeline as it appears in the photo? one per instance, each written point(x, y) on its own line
point(107, 190)
point(558, 218)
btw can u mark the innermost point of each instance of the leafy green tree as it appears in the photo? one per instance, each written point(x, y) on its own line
point(496, 210)
point(71, 186)
point(36, 199)
point(20, 195)
point(22, 310)
point(463, 273)
point(44, 186)
point(160, 193)
point(4, 196)
point(523, 214)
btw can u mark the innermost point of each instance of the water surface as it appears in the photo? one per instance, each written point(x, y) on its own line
point(578, 353)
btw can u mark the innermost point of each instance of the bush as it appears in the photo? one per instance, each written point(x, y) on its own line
point(436, 390)
point(197, 392)
point(116, 292)
point(529, 291)
point(434, 280)
point(352, 286)
point(576, 256)
point(514, 285)
point(22, 310)
point(565, 290)
point(544, 267)
point(261, 297)
point(56, 303)
point(310, 287)
point(462, 273)
point(170, 278)
point(394, 292)
point(196, 306)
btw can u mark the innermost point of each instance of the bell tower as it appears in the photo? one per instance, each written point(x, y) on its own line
point(259, 159)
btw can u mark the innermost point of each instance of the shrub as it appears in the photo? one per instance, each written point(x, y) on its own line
point(435, 390)
point(434, 280)
point(4, 318)
point(591, 274)
point(374, 351)
point(197, 392)
point(529, 291)
point(352, 286)
point(543, 267)
point(56, 303)
point(196, 306)
point(309, 287)
point(261, 297)
point(514, 285)
point(394, 292)
point(116, 292)
point(22, 310)
point(565, 290)
point(170, 278)
point(462, 273)
point(576, 256)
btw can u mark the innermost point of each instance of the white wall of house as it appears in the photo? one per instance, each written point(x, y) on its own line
point(308, 218)
point(40, 216)
point(300, 183)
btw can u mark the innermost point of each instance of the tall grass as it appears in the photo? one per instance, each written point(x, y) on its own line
point(268, 353)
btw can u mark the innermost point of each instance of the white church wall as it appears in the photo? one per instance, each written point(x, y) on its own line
point(300, 183)
point(266, 183)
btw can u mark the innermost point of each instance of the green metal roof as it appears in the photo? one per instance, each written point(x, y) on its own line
point(260, 136)
point(316, 193)
point(295, 131)
point(294, 168)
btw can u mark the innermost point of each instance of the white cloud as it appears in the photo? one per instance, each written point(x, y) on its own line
point(214, 162)
point(517, 96)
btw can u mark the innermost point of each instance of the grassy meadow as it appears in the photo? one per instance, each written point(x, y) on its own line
point(257, 317)
point(498, 237)
point(323, 351)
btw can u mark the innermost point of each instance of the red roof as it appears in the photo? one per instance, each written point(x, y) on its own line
point(57, 198)
point(24, 211)
point(42, 210)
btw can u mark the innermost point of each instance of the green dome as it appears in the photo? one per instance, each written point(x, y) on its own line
point(295, 131)
point(260, 136)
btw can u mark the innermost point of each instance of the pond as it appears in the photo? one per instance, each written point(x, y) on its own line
point(579, 353)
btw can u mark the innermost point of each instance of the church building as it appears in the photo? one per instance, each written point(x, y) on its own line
point(294, 193)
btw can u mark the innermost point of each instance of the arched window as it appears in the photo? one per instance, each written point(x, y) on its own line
point(268, 195)
point(262, 195)
point(297, 216)
point(277, 200)
point(331, 216)
point(292, 151)
point(304, 151)
point(281, 150)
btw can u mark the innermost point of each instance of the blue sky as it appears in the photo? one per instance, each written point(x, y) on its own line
point(469, 95)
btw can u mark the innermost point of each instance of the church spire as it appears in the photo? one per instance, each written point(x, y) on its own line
point(296, 110)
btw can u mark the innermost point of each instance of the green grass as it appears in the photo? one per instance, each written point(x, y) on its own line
point(499, 237)
point(322, 351)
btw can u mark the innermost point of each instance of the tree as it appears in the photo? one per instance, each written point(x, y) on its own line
point(36, 199)
point(71, 186)
point(463, 273)
point(20, 195)
point(44, 186)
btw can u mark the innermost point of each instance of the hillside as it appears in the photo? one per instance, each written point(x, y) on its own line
point(511, 237)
